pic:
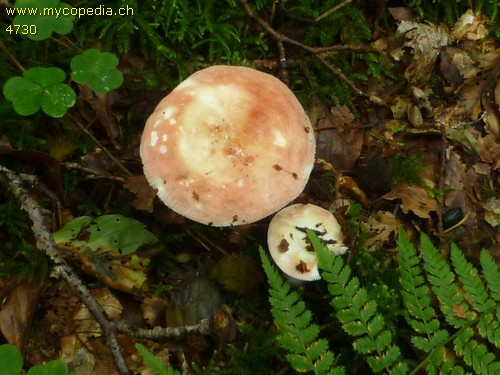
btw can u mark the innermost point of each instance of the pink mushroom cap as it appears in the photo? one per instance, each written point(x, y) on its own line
point(228, 146)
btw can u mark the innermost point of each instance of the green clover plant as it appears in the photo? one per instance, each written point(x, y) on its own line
point(51, 16)
point(97, 69)
point(40, 88)
point(11, 363)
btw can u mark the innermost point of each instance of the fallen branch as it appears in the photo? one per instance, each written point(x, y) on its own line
point(18, 185)
point(203, 328)
point(317, 52)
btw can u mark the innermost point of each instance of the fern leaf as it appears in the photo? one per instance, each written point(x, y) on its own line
point(357, 314)
point(488, 327)
point(306, 353)
point(475, 354)
point(491, 273)
point(472, 283)
point(444, 285)
point(420, 313)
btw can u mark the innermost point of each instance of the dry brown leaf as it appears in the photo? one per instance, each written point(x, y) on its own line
point(153, 310)
point(20, 299)
point(470, 27)
point(461, 186)
point(449, 68)
point(82, 348)
point(380, 229)
point(399, 107)
point(101, 105)
point(413, 198)
point(145, 194)
point(124, 273)
point(401, 13)
point(340, 140)
point(489, 150)
point(426, 41)
point(491, 117)
point(492, 214)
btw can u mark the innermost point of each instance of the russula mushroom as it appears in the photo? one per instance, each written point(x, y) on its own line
point(289, 244)
point(228, 146)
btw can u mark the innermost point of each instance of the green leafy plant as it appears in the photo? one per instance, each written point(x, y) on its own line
point(43, 87)
point(464, 336)
point(46, 16)
point(11, 363)
point(40, 88)
point(107, 232)
point(468, 301)
point(298, 335)
point(96, 69)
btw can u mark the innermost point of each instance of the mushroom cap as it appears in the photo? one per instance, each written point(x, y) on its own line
point(289, 244)
point(228, 146)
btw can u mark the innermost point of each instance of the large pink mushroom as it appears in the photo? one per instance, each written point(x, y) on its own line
point(228, 146)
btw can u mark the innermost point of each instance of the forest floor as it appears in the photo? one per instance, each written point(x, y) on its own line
point(419, 152)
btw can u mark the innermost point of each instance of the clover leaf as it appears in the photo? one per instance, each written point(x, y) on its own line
point(49, 16)
point(40, 88)
point(97, 69)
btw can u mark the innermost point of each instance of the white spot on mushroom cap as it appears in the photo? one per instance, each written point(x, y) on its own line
point(168, 112)
point(163, 149)
point(154, 138)
point(289, 244)
point(279, 139)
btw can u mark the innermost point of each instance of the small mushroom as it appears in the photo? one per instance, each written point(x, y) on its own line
point(290, 246)
point(228, 146)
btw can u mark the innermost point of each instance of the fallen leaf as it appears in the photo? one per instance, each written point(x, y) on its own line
point(470, 26)
point(144, 193)
point(381, 229)
point(153, 310)
point(415, 199)
point(426, 41)
point(339, 139)
point(492, 211)
point(20, 299)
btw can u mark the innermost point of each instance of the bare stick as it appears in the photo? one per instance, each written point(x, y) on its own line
point(203, 328)
point(332, 10)
point(315, 51)
point(44, 241)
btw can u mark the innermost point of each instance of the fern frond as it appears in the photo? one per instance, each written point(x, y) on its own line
point(416, 296)
point(489, 324)
point(491, 274)
point(472, 283)
point(444, 285)
point(475, 354)
point(298, 335)
point(358, 315)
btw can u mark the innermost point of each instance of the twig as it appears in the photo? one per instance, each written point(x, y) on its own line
point(203, 327)
point(11, 57)
point(332, 10)
point(98, 144)
point(317, 52)
point(45, 242)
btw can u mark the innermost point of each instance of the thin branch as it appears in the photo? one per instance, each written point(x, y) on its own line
point(98, 144)
point(203, 328)
point(332, 10)
point(17, 184)
point(11, 57)
point(317, 52)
